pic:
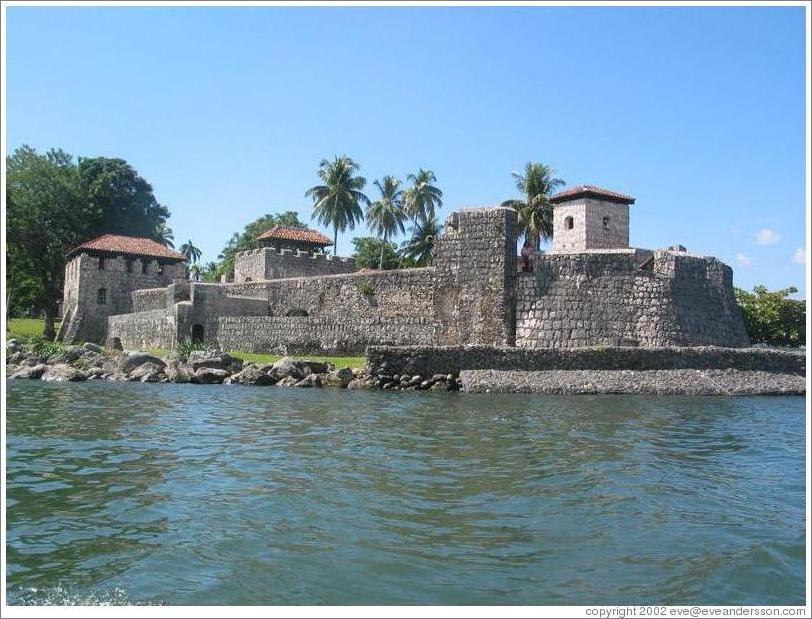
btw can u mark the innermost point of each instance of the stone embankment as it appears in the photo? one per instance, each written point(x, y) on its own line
point(92, 362)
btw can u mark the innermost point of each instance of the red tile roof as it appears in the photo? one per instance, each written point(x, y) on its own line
point(291, 233)
point(117, 244)
point(590, 191)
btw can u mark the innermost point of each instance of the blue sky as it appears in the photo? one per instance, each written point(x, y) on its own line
point(698, 112)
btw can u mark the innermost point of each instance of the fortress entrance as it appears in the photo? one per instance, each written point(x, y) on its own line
point(198, 334)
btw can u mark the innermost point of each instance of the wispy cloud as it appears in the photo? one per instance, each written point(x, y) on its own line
point(800, 256)
point(744, 261)
point(767, 236)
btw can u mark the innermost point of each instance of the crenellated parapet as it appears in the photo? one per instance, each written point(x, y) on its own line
point(268, 263)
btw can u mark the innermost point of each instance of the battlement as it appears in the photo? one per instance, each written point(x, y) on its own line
point(277, 263)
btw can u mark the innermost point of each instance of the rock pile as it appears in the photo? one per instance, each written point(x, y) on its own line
point(211, 366)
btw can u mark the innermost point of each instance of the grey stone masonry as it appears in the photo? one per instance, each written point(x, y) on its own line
point(97, 287)
point(629, 298)
point(272, 263)
point(588, 223)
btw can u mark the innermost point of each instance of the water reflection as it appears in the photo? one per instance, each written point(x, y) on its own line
point(207, 495)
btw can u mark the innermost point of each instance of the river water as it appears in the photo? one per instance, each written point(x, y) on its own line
point(181, 494)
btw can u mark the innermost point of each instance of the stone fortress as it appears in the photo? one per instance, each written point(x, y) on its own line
point(591, 289)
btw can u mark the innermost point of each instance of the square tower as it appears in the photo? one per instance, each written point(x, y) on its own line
point(588, 217)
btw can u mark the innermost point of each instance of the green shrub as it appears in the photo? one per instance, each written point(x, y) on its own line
point(44, 348)
point(183, 349)
point(366, 288)
point(771, 318)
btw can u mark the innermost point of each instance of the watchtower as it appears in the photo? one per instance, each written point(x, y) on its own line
point(588, 217)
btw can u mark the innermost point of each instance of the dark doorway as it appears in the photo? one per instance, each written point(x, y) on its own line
point(198, 334)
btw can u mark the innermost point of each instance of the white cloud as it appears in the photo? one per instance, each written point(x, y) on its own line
point(744, 261)
point(800, 256)
point(767, 236)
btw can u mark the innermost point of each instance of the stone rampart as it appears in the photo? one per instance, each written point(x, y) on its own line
point(153, 329)
point(428, 361)
point(627, 297)
point(272, 263)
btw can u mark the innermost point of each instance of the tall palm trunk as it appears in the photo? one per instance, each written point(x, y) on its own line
point(335, 240)
point(380, 261)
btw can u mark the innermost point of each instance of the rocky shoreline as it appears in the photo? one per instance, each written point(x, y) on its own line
point(212, 366)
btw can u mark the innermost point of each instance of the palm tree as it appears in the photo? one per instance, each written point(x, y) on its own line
point(164, 235)
point(422, 197)
point(194, 272)
point(337, 202)
point(421, 244)
point(386, 216)
point(535, 212)
point(190, 252)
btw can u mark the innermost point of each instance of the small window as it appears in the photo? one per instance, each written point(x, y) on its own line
point(606, 222)
point(160, 268)
point(129, 266)
point(101, 296)
point(568, 223)
point(297, 312)
point(101, 264)
point(143, 267)
point(248, 279)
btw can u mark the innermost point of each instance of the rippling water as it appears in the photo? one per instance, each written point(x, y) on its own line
point(178, 494)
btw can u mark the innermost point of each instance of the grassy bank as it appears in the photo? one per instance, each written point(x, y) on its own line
point(25, 328)
point(261, 358)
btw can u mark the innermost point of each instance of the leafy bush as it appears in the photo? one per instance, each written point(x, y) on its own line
point(366, 288)
point(185, 348)
point(771, 318)
point(44, 348)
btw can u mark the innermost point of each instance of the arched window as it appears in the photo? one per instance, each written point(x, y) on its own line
point(296, 312)
point(568, 223)
point(198, 334)
point(248, 279)
point(144, 266)
point(606, 222)
point(101, 264)
point(101, 296)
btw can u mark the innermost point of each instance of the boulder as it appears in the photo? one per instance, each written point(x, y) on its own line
point(215, 359)
point(132, 360)
point(15, 358)
point(288, 381)
point(288, 367)
point(114, 344)
point(33, 360)
point(90, 359)
point(62, 373)
point(147, 373)
point(315, 367)
point(252, 375)
point(338, 378)
point(13, 346)
point(178, 372)
point(358, 383)
point(311, 380)
point(91, 347)
point(209, 376)
point(67, 355)
point(33, 372)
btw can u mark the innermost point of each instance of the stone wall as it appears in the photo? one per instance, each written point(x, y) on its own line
point(631, 297)
point(154, 329)
point(428, 361)
point(149, 299)
point(86, 316)
point(272, 263)
point(596, 224)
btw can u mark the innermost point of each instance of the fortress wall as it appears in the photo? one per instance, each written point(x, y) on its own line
point(119, 278)
point(609, 299)
point(149, 299)
point(153, 329)
point(428, 361)
point(324, 335)
point(271, 263)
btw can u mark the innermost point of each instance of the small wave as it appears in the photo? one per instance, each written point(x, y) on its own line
point(67, 596)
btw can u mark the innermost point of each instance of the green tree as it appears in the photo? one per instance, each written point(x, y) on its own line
point(337, 202)
point(122, 201)
point(368, 250)
point(47, 216)
point(423, 197)
point(536, 184)
point(420, 245)
point(190, 252)
point(247, 239)
point(771, 317)
point(386, 215)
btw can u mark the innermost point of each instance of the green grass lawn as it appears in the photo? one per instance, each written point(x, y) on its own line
point(261, 358)
point(25, 328)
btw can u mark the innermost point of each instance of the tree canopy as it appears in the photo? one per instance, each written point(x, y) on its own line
point(772, 317)
point(535, 184)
